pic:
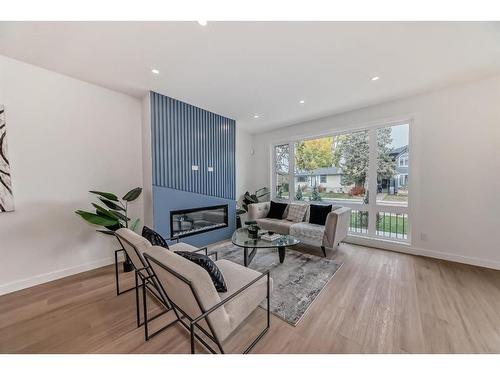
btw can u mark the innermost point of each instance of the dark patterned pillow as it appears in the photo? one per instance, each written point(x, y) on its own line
point(153, 237)
point(204, 261)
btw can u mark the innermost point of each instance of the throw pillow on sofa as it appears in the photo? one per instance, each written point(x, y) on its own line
point(296, 212)
point(318, 213)
point(208, 264)
point(276, 210)
point(155, 238)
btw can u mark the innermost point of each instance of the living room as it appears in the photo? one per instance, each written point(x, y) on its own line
point(315, 187)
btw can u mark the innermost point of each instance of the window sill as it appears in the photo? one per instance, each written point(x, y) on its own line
point(377, 242)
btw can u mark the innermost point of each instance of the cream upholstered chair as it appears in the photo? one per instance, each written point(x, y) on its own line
point(134, 247)
point(197, 304)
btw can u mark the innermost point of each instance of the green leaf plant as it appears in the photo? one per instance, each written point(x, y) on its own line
point(253, 198)
point(115, 215)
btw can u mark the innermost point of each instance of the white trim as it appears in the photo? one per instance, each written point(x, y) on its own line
point(372, 179)
point(291, 172)
point(54, 275)
point(402, 247)
point(274, 182)
point(408, 118)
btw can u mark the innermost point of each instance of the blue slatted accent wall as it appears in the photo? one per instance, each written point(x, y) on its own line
point(184, 135)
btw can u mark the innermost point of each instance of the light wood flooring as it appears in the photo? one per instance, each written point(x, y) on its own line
point(378, 302)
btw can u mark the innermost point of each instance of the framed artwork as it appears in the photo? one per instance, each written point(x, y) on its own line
point(6, 198)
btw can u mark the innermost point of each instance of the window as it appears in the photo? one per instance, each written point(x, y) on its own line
point(336, 167)
point(366, 170)
point(282, 170)
point(403, 180)
point(392, 178)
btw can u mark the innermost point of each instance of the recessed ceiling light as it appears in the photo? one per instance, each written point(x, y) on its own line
point(202, 22)
point(302, 101)
point(376, 78)
point(155, 71)
point(256, 116)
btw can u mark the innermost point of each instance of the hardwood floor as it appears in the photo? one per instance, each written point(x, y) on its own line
point(378, 302)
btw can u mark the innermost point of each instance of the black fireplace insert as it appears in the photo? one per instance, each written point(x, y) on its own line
point(191, 221)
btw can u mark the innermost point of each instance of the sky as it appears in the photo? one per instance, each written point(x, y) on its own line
point(400, 135)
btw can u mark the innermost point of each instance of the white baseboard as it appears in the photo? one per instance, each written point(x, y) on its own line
point(54, 275)
point(407, 249)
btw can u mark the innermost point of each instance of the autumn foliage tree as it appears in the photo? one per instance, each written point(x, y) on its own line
point(314, 153)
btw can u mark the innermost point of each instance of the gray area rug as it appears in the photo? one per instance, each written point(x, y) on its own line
point(297, 282)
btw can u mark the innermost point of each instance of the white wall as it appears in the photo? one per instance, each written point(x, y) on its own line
point(147, 161)
point(244, 162)
point(455, 166)
point(65, 137)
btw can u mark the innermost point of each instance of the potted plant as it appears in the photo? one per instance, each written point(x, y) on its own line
point(113, 216)
point(248, 199)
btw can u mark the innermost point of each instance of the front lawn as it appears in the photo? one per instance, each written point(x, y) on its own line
point(389, 223)
point(394, 198)
point(392, 223)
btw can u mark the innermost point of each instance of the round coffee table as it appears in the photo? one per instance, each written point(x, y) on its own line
point(240, 238)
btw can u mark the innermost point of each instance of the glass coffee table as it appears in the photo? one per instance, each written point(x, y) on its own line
point(240, 238)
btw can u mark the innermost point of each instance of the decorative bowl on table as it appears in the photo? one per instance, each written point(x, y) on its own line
point(253, 231)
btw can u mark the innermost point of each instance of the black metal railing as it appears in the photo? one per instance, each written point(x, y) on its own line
point(392, 225)
point(359, 222)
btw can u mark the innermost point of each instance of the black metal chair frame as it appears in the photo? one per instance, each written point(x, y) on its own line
point(117, 273)
point(148, 284)
point(193, 322)
point(117, 277)
point(151, 286)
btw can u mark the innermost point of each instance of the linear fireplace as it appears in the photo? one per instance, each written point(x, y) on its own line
point(191, 221)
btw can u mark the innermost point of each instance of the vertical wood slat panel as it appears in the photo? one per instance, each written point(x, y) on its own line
point(170, 151)
point(153, 139)
point(184, 135)
point(183, 142)
point(162, 131)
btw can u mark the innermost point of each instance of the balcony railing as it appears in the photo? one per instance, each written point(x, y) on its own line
point(388, 225)
point(392, 225)
point(359, 222)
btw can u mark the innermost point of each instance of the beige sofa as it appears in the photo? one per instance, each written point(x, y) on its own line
point(326, 236)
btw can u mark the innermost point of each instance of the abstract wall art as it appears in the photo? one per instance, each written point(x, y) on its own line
point(6, 198)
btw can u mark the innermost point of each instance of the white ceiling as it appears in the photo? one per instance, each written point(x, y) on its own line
point(239, 69)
